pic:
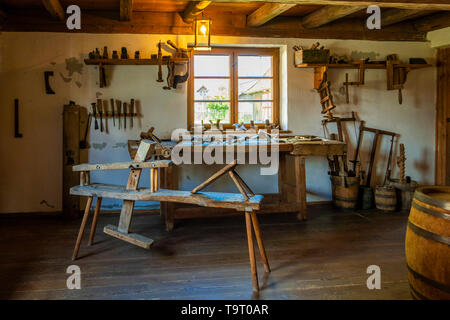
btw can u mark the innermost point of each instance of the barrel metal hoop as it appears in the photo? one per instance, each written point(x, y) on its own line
point(416, 294)
point(435, 284)
point(344, 199)
point(419, 195)
point(428, 235)
point(384, 196)
point(431, 212)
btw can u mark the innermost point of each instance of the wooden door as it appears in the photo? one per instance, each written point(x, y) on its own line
point(443, 118)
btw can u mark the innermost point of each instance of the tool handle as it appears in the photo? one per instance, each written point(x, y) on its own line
point(131, 112)
point(113, 113)
point(173, 45)
point(125, 115)
point(119, 109)
point(16, 119)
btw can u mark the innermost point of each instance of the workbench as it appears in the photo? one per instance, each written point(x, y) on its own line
point(291, 196)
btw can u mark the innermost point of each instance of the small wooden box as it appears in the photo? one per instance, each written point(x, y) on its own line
point(315, 56)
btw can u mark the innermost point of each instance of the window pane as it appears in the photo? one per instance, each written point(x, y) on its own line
point(212, 89)
point(256, 111)
point(254, 66)
point(211, 66)
point(255, 89)
point(211, 111)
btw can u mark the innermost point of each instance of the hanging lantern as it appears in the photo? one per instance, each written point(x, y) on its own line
point(202, 34)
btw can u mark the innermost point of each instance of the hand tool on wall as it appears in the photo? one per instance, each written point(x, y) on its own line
point(378, 133)
point(160, 78)
point(100, 111)
point(170, 70)
point(358, 145)
point(387, 176)
point(113, 113)
point(360, 81)
point(395, 75)
point(48, 89)
point(124, 115)
point(102, 75)
point(83, 143)
point(16, 119)
point(119, 110)
point(94, 112)
point(131, 112)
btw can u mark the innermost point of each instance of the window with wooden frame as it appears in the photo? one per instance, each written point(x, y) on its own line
point(234, 85)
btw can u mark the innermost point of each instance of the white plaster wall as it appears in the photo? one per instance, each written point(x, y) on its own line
point(31, 167)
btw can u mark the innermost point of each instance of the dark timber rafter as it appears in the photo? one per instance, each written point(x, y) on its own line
point(193, 9)
point(266, 13)
point(392, 16)
point(54, 8)
point(328, 14)
point(126, 10)
point(400, 4)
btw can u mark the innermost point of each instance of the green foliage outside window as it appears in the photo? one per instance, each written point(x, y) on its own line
point(217, 110)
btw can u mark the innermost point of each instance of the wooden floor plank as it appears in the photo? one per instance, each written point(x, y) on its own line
point(323, 258)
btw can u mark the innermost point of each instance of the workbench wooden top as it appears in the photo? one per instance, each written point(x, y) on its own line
point(320, 147)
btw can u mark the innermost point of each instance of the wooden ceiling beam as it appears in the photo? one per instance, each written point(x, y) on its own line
point(433, 22)
point(393, 16)
point(400, 4)
point(328, 14)
point(54, 8)
point(224, 25)
point(193, 9)
point(126, 10)
point(266, 13)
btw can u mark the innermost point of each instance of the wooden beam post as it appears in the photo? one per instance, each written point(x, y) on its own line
point(266, 13)
point(54, 8)
point(328, 14)
point(126, 10)
point(193, 9)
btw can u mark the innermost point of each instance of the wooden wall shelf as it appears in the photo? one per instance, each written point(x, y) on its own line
point(101, 63)
point(321, 69)
point(356, 66)
point(133, 62)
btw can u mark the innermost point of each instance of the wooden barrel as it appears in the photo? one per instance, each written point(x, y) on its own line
point(427, 244)
point(366, 201)
point(345, 191)
point(386, 198)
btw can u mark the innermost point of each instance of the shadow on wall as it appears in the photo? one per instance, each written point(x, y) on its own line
point(423, 166)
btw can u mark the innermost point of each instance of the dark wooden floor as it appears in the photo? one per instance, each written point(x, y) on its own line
point(323, 258)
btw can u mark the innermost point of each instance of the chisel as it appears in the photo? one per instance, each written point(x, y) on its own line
point(112, 110)
point(119, 110)
point(100, 111)
point(94, 112)
point(131, 112)
point(124, 115)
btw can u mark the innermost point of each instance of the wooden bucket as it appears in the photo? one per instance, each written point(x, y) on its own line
point(345, 191)
point(386, 198)
point(427, 244)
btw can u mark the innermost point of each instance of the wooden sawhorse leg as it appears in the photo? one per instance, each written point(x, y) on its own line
point(94, 221)
point(250, 218)
point(83, 225)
